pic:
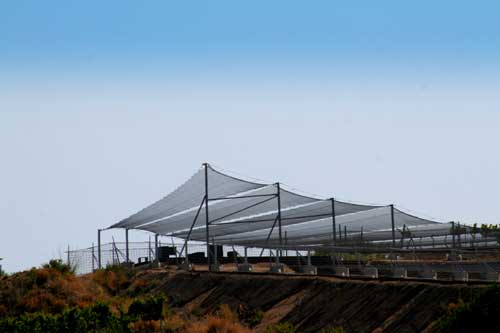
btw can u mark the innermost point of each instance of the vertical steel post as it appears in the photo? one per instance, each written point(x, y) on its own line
point(149, 248)
point(340, 232)
point(392, 226)
point(286, 244)
point(93, 257)
point(279, 218)
point(68, 259)
point(127, 255)
point(207, 233)
point(215, 251)
point(345, 232)
point(453, 234)
point(333, 222)
point(113, 252)
point(157, 259)
point(99, 264)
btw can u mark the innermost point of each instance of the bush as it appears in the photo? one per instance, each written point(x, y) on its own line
point(482, 314)
point(251, 317)
point(58, 265)
point(147, 308)
point(96, 318)
point(114, 279)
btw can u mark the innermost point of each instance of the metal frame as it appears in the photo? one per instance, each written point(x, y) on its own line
point(278, 220)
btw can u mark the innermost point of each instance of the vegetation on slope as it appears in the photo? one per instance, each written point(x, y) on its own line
point(52, 299)
point(481, 314)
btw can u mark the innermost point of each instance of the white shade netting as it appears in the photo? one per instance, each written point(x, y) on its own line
point(189, 196)
point(289, 215)
point(234, 208)
point(374, 224)
point(246, 213)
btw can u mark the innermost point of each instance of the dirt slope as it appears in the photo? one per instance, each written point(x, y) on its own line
point(311, 304)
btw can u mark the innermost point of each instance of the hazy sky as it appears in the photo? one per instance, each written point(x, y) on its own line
point(107, 106)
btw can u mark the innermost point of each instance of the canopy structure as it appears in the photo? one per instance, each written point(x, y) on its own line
point(370, 225)
point(188, 196)
point(212, 206)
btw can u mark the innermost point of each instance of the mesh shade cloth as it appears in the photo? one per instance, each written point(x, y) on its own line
point(248, 210)
point(189, 196)
point(289, 215)
point(220, 209)
point(376, 225)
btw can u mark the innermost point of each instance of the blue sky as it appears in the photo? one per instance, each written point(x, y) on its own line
point(104, 104)
point(57, 35)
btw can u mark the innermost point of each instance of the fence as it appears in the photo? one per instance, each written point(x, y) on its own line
point(86, 260)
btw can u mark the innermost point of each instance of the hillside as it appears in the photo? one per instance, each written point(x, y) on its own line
point(161, 300)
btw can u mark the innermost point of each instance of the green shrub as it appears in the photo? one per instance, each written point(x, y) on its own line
point(251, 318)
point(147, 308)
point(58, 265)
point(482, 314)
point(197, 312)
point(96, 318)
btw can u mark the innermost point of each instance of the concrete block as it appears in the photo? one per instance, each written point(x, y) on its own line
point(427, 274)
point(216, 268)
point(371, 272)
point(491, 276)
point(461, 276)
point(186, 267)
point(277, 268)
point(399, 272)
point(245, 267)
point(342, 271)
point(308, 269)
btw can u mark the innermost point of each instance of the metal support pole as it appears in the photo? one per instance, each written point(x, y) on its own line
point(392, 226)
point(246, 257)
point(452, 234)
point(278, 253)
point(149, 248)
point(215, 251)
point(345, 232)
point(99, 249)
point(68, 259)
point(194, 222)
point(340, 232)
point(127, 255)
point(286, 244)
point(268, 237)
point(187, 253)
point(157, 259)
point(207, 233)
point(175, 250)
point(333, 222)
point(114, 252)
point(93, 258)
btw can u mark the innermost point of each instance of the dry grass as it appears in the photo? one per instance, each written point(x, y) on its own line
point(224, 321)
point(46, 290)
point(145, 326)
